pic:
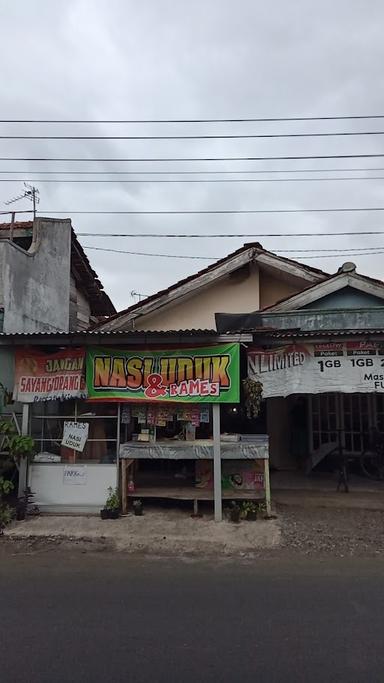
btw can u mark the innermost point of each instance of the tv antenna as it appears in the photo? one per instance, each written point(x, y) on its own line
point(138, 294)
point(31, 193)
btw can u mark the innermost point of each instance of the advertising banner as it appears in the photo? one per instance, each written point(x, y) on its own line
point(197, 375)
point(48, 377)
point(236, 475)
point(345, 366)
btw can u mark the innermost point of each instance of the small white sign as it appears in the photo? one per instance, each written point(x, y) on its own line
point(75, 435)
point(75, 474)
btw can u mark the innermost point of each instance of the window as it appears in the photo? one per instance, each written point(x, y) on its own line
point(47, 424)
point(354, 415)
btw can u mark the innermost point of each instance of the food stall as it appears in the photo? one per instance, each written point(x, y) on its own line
point(171, 442)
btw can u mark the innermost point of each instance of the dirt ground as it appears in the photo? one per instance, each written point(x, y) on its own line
point(159, 531)
point(297, 531)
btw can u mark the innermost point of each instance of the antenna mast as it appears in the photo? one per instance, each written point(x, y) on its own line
point(31, 193)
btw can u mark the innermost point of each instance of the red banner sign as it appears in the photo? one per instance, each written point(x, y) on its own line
point(49, 377)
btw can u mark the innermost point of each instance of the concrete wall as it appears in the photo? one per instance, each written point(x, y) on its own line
point(273, 289)
point(246, 290)
point(35, 285)
point(237, 293)
point(47, 482)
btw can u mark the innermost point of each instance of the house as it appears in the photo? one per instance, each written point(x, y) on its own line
point(336, 323)
point(248, 279)
point(47, 285)
point(330, 395)
point(46, 281)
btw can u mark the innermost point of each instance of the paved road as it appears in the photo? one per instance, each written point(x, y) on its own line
point(75, 617)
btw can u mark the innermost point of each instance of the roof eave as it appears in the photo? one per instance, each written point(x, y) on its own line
point(98, 338)
point(223, 267)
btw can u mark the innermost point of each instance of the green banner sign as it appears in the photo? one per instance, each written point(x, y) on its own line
point(199, 375)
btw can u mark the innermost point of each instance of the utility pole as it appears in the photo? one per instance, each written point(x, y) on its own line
point(32, 194)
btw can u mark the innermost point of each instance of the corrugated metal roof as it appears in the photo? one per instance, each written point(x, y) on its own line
point(132, 337)
point(118, 333)
point(287, 334)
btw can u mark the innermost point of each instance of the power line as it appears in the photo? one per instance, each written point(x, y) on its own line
point(225, 235)
point(192, 212)
point(343, 250)
point(356, 117)
point(171, 172)
point(228, 136)
point(143, 253)
point(344, 233)
point(276, 251)
point(340, 252)
point(190, 180)
point(299, 258)
point(185, 159)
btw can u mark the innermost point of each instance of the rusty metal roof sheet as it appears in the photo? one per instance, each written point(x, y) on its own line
point(288, 334)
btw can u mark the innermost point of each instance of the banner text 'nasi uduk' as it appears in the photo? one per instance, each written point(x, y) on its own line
point(197, 375)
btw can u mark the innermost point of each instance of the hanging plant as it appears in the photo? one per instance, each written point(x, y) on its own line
point(253, 392)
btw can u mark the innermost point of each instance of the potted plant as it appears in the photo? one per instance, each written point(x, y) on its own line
point(5, 510)
point(26, 505)
point(249, 510)
point(111, 509)
point(15, 447)
point(262, 510)
point(137, 508)
point(234, 512)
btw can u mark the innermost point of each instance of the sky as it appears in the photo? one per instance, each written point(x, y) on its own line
point(161, 59)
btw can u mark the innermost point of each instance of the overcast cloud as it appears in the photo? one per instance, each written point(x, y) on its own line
point(153, 59)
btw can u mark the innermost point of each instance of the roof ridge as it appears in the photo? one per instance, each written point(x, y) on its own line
point(255, 246)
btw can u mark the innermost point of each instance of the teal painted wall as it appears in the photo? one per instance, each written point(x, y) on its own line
point(346, 298)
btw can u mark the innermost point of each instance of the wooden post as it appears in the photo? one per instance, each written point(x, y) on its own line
point(23, 468)
point(217, 463)
point(118, 440)
point(267, 486)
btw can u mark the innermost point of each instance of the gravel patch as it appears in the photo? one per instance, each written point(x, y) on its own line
point(339, 532)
